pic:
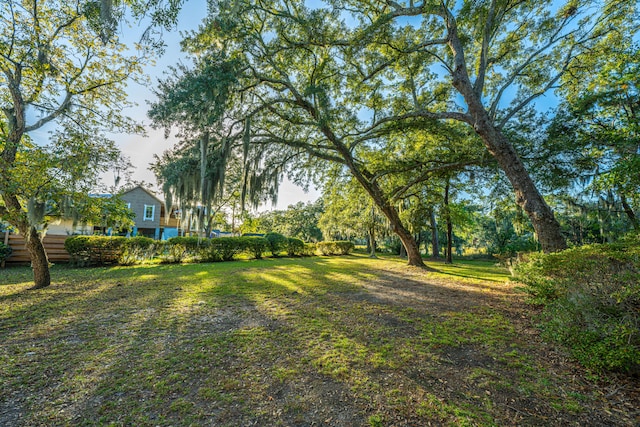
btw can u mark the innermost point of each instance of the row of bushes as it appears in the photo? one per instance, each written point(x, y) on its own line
point(591, 299)
point(340, 247)
point(100, 250)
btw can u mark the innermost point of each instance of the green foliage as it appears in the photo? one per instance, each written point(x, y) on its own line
point(5, 251)
point(340, 247)
point(94, 250)
point(295, 247)
point(277, 243)
point(224, 248)
point(101, 250)
point(591, 298)
point(178, 249)
point(310, 249)
point(256, 246)
point(135, 250)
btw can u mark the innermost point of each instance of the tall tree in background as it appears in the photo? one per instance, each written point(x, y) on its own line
point(598, 126)
point(59, 63)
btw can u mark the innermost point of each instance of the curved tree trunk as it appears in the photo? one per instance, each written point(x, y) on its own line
point(527, 195)
point(408, 242)
point(39, 260)
point(629, 212)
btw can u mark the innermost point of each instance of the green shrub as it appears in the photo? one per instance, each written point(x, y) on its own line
point(94, 250)
point(136, 250)
point(295, 247)
point(5, 251)
point(277, 243)
point(180, 249)
point(591, 299)
point(172, 252)
point(310, 249)
point(256, 246)
point(225, 248)
point(339, 247)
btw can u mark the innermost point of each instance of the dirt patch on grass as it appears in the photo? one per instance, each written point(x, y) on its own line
point(347, 342)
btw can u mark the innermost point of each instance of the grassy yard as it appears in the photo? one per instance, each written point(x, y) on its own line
point(341, 341)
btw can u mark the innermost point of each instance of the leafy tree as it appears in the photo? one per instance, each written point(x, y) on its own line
point(214, 166)
point(297, 221)
point(301, 221)
point(350, 213)
point(301, 84)
point(498, 58)
point(60, 62)
point(598, 126)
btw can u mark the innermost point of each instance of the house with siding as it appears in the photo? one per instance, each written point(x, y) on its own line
point(150, 214)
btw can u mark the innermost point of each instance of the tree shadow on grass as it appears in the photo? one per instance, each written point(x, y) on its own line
point(313, 342)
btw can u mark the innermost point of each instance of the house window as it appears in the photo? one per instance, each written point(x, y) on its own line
point(149, 210)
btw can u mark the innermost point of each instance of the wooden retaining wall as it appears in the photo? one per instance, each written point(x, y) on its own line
point(53, 244)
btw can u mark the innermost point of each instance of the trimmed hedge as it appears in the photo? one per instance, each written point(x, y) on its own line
point(339, 247)
point(256, 246)
point(93, 250)
point(179, 249)
point(310, 249)
point(277, 243)
point(591, 299)
point(295, 247)
point(135, 250)
point(103, 250)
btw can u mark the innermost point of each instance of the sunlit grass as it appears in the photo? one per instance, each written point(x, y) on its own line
point(272, 341)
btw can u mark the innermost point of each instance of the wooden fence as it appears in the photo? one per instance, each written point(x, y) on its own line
point(53, 244)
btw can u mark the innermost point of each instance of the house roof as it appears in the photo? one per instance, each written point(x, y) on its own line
point(146, 191)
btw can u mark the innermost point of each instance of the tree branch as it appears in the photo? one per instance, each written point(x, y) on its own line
point(397, 194)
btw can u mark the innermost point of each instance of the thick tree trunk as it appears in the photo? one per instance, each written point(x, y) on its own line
point(376, 193)
point(372, 243)
point(527, 195)
point(449, 255)
point(408, 242)
point(33, 242)
point(39, 260)
point(367, 180)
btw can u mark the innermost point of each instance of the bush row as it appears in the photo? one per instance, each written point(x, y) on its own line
point(101, 250)
point(340, 247)
point(591, 299)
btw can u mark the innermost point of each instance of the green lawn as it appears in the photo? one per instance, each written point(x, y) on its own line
point(312, 341)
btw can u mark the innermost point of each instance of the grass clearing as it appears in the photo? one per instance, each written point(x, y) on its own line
point(345, 341)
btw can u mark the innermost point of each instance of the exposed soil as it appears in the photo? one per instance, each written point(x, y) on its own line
point(614, 401)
